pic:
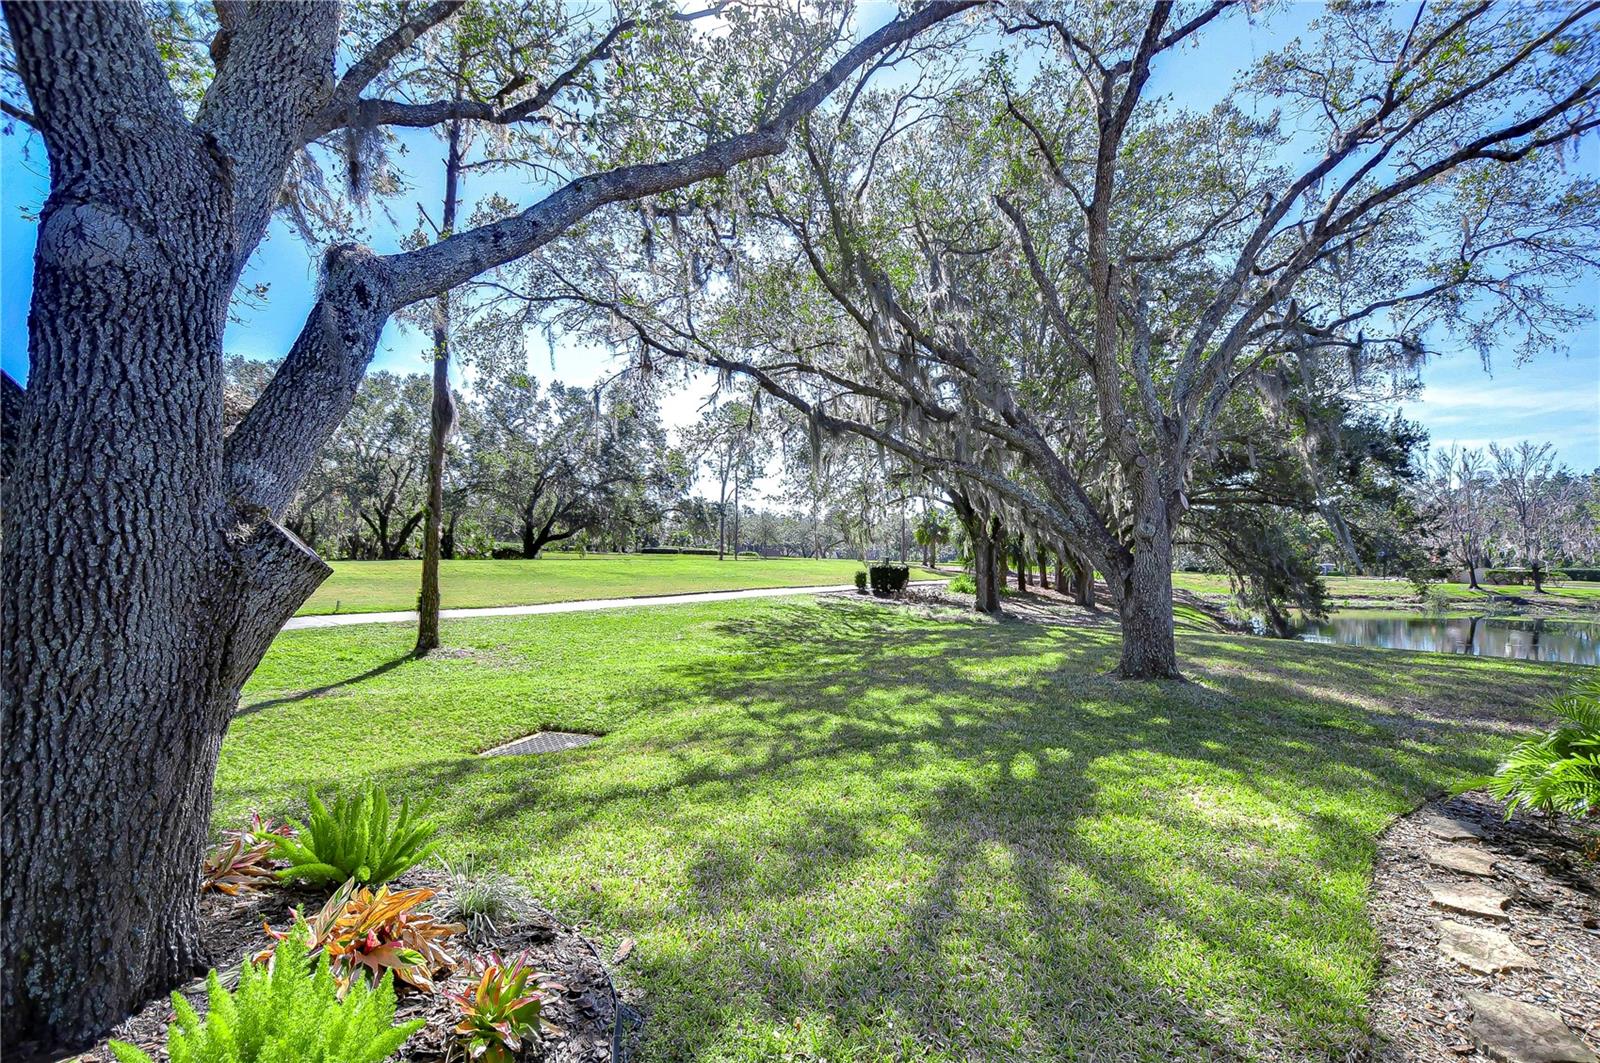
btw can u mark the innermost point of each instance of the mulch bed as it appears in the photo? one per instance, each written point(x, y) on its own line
point(586, 1011)
point(1419, 1012)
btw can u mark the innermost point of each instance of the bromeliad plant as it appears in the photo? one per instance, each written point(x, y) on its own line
point(376, 933)
point(1558, 772)
point(355, 839)
point(282, 1012)
point(502, 1009)
point(244, 859)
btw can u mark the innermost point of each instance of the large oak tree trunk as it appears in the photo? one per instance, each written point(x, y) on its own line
point(139, 592)
point(1144, 598)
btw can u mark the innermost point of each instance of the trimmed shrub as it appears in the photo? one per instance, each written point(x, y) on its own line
point(861, 583)
point(888, 579)
point(1586, 575)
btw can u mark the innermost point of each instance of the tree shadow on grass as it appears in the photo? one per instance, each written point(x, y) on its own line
point(325, 689)
point(866, 833)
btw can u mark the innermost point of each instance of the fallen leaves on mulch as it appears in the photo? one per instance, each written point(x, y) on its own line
point(1419, 1013)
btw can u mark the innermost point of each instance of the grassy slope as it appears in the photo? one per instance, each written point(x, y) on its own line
point(380, 586)
point(837, 830)
point(1344, 590)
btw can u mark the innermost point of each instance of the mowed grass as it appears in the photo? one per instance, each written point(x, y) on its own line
point(384, 586)
point(1348, 590)
point(839, 830)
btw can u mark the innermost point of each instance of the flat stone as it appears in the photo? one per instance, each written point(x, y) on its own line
point(1462, 858)
point(1515, 1032)
point(1482, 950)
point(1470, 898)
point(1447, 828)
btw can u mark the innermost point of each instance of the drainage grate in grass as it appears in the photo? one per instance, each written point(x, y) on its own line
point(540, 742)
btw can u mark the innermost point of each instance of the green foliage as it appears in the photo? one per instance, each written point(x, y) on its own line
point(888, 579)
point(1514, 577)
point(964, 583)
point(501, 1011)
point(861, 582)
point(481, 897)
point(355, 840)
point(1435, 600)
point(1558, 772)
point(283, 1013)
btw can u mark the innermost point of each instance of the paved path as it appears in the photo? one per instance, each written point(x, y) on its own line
point(591, 605)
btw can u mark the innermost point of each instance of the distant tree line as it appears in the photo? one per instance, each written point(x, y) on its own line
point(1512, 506)
point(537, 467)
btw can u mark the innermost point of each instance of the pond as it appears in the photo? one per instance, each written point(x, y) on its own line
point(1572, 641)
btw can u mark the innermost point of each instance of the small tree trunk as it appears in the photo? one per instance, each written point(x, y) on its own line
point(1022, 569)
point(1083, 584)
point(997, 566)
point(442, 416)
point(1044, 578)
point(530, 544)
point(1061, 571)
point(983, 576)
point(1538, 577)
point(736, 481)
point(447, 541)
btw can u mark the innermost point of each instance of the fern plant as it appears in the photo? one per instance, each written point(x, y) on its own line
point(1558, 772)
point(283, 1013)
point(355, 839)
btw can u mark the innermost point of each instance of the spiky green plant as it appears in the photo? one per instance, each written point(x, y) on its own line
point(1559, 771)
point(282, 1012)
point(355, 839)
point(480, 897)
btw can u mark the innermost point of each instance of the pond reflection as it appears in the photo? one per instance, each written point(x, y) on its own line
point(1571, 641)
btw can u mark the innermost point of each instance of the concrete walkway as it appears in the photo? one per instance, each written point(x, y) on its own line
point(589, 606)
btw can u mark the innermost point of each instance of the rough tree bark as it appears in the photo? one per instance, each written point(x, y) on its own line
point(140, 591)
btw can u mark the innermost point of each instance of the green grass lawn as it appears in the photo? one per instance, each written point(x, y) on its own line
point(1343, 590)
point(840, 831)
point(382, 586)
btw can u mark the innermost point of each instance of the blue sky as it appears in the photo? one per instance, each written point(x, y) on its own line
point(1555, 399)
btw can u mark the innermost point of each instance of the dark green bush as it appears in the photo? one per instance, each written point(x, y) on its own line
point(963, 583)
point(888, 579)
point(861, 583)
point(1510, 577)
point(1587, 575)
